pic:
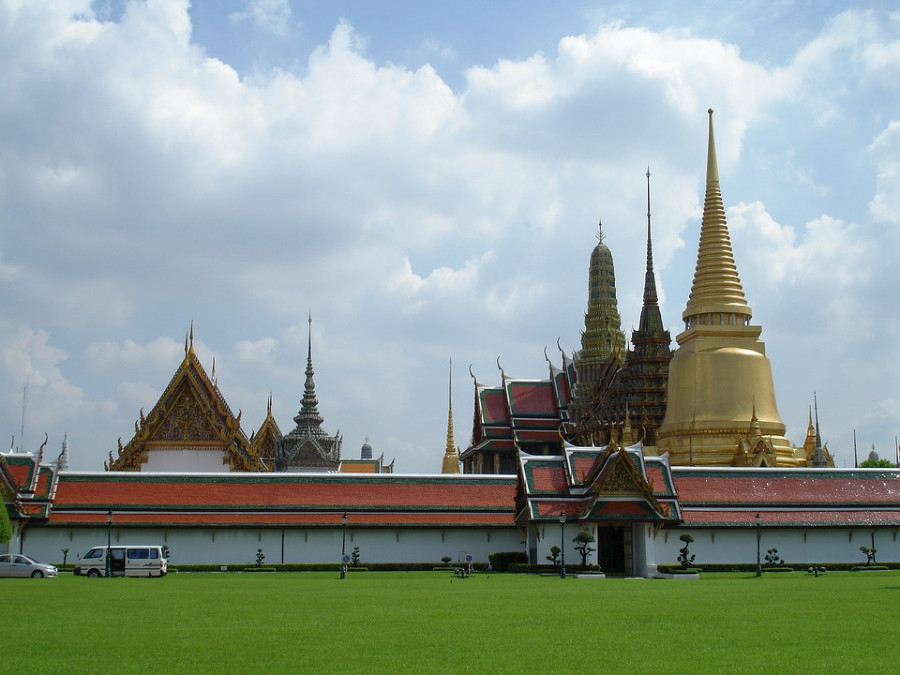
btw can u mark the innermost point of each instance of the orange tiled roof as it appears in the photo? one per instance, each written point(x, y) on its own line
point(284, 499)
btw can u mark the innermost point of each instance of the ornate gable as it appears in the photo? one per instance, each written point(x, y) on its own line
point(190, 414)
point(266, 440)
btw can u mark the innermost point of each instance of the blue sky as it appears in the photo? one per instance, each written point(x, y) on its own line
point(426, 179)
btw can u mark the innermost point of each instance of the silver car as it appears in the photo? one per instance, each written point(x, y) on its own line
point(14, 565)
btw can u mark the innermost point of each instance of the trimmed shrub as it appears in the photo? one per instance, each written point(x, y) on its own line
point(500, 561)
point(678, 569)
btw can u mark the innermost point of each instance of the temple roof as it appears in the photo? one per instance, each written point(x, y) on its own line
point(267, 499)
point(191, 412)
point(733, 496)
point(597, 483)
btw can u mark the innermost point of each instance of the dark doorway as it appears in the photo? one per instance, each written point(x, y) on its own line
point(117, 562)
point(611, 549)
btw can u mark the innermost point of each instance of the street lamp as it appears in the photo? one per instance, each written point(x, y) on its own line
point(344, 545)
point(108, 542)
point(758, 565)
point(562, 544)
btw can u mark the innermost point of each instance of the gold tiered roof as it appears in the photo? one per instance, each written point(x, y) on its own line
point(717, 286)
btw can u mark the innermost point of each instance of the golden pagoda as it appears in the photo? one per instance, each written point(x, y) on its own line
point(451, 456)
point(721, 408)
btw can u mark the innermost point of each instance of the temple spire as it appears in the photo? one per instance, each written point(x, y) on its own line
point(650, 296)
point(451, 458)
point(716, 289)
point(309, 408)
point(819, 457)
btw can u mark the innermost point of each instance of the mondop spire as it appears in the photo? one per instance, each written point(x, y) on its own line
point(308, 447)
point(721, 398)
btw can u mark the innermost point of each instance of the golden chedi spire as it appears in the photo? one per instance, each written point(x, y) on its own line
point(720, 381)
point(717, 286)
point(451, 457)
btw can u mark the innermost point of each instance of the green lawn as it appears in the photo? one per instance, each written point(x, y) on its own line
point(422, 622)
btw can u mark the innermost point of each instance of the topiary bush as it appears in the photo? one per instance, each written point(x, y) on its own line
point(500, 561)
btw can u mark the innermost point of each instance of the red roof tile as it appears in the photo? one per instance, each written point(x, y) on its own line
point(493, 406)
point(788, 486)
point(825, 517)
point(533, 398)
point(265, 491)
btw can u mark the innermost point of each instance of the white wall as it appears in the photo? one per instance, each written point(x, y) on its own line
point(795, 545)
point(238, 546)
point(186, 460)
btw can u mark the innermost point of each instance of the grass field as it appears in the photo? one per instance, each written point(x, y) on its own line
point(422, 622)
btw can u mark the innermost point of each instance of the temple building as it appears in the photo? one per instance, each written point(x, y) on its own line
point(191, 428)
point(721, 407)
point(602, 352)
point(308, 447)
point(710, 403)
point(578, 447)
point(638, 397)
point(603, 394)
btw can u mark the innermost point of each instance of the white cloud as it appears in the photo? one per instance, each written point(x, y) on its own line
point(885, 206)
point(269, 15)
point(413, 222)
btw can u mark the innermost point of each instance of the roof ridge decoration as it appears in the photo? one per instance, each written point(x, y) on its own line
point(192, 411)
point(717, 286)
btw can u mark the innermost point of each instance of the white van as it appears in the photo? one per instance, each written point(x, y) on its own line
point(124, 561)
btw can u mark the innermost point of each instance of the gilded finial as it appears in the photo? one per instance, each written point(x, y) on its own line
point(600, 236)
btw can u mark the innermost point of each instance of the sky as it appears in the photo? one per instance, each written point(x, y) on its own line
point(425, 180)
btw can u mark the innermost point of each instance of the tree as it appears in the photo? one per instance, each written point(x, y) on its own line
point(873, 463)
point(772, 558)
point(260, 557)
point(554, 555)
point(354, 557)
point(583, 541)
point(685, 557)
point(869, 553)
point(5, 525)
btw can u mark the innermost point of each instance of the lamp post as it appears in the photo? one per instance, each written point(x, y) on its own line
point(344, 545)
point(758, 565)
point(108, 542)
point(562, 544)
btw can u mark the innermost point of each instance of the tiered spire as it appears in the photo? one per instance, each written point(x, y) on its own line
point(651, 319)
point(308, 447)
point(717, 287)
point(309, 416)
point(641, 387)
point(451, 457)
point(602, 336)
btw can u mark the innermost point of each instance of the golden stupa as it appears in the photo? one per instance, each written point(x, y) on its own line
point(721, 408)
